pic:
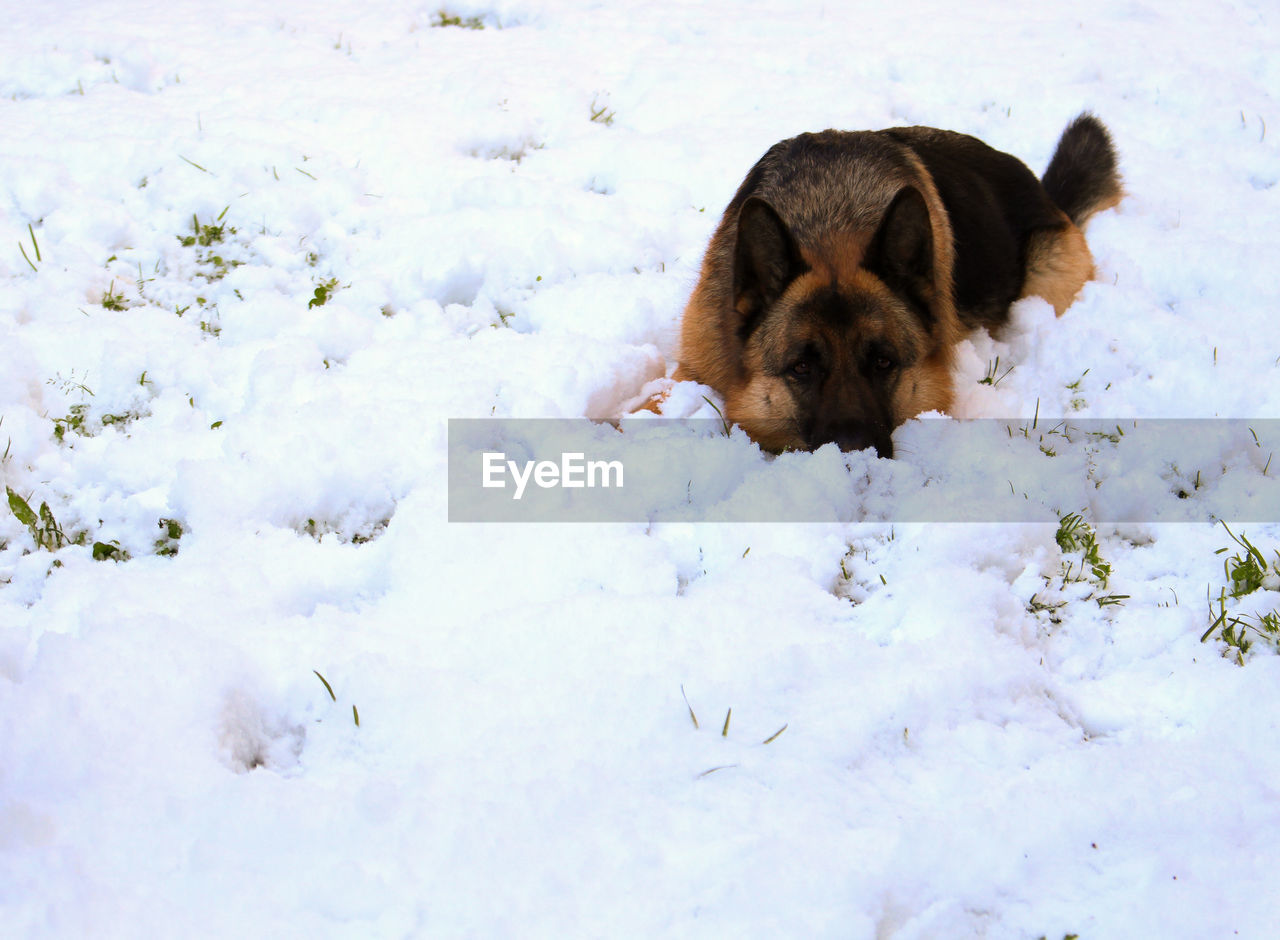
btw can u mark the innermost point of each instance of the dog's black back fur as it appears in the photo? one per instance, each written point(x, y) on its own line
point(994, 203)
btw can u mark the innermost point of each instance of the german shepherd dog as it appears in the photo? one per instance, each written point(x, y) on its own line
point(849, 264)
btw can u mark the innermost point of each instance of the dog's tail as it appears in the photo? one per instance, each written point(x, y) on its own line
point(1082, 177)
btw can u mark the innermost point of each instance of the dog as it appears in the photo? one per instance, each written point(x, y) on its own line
point(850, 263)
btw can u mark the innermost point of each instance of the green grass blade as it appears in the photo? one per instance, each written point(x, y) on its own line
point(719, 412)
point(327, 687)
point(692, 716)
point(20, 508)
point(773, 737)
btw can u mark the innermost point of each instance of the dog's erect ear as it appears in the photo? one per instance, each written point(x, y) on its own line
point(901, 253)
point(766, 259)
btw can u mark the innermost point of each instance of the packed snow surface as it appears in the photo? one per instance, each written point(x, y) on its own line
point(253, 682)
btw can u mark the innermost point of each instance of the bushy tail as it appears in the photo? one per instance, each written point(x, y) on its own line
point(1082, 177)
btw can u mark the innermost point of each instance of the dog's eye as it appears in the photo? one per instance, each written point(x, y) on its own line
point(883, 363)
point(802, 369)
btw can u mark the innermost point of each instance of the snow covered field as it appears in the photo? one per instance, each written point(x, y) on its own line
point(250, 264)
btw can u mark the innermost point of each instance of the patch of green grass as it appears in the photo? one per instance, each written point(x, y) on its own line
point(171, 531)
point(210, 324)
point(113, 301)
point(45, 530)
point(35, 245)
point(69, 385)
point(600, 113)
point(109, 420)
point(49, 536)
point(324, 290)
point(1075, 535)
point(444, 17)
point(724, 731)
point(1246, 572)
point(213, 233)
point(318, 529)
point(73, 422)
point(355, 712)
point(1037, 606)
point(994, 376)
point(77, 422)
point(213, 265)
point(109, 551)
point(1084, 574)
point(723, 420)
point(1077, 400)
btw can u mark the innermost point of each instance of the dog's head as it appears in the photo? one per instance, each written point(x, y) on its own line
point(842, 340)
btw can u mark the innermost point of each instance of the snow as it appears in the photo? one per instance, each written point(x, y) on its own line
point(974, 743)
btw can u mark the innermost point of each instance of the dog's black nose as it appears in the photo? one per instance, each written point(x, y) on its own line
point(856, 436)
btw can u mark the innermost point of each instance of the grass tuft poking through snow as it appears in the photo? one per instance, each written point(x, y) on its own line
point(1252, 586)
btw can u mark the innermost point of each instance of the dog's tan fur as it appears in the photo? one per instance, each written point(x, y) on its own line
point(1058, 266)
